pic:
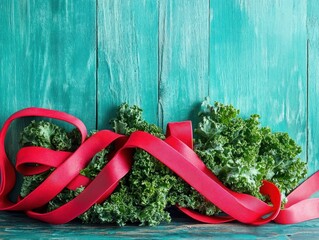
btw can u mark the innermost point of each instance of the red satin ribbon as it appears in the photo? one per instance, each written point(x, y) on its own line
point(176, 152)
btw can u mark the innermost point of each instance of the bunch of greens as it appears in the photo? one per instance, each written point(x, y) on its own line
point(241, 153)
point(141, 197)
point(237, 150)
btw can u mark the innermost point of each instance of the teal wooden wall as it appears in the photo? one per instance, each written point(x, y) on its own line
point(88, 56)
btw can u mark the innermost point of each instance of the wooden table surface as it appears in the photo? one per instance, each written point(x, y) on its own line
point(18, 226)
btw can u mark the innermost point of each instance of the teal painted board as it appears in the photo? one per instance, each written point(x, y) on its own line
point(18, 226)
point(258, 61)
point(183, 58)
point(87, 57)
point(313, 84)
point(47, 60)
point(127, 57)
point(48, 57)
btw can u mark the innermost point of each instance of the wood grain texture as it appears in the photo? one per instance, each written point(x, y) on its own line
point(47, 60)
point(183, 58)
point(258, 61)
point(88, 56)
point(127, 50)
point(18, 226)
point(48, 57)
point(313, 85)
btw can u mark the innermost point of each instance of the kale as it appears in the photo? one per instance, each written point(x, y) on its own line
point(242, 153)
point(45, 134)
point(239, 151)
point(143, 195)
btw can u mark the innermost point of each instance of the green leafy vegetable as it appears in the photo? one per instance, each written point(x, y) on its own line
point(46, 134)
point(242, 153)
point(143, 194)
point(239, 151)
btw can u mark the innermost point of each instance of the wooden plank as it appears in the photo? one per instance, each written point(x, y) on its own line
point(183, 58)
point(18, 226)
point(258, 61)
point(47, 60)
point(48, 57)
point(313, 84)
point(127, 55)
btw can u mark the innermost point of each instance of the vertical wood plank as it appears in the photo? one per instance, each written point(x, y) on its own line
point(183, 58)
point(258, 61)
point(48, 57)
point(127, 55)
point(313, 84)
point(47, 60)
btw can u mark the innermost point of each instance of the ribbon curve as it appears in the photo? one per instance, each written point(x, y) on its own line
point(176, 152)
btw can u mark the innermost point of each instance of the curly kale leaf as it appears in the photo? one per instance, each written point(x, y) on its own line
point(129, 119)
point(63, 197)
point(46, 134)
point(143, 195)
point(242, 153)
point(284, 167)
point(30, 183)
point(96, 164)
point(153, 187)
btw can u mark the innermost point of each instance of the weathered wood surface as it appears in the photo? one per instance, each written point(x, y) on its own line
point(127, 57)
point(18, 226)
point(313, 85)
point(258, 61)
point(257, 55)
point(183, 58)
point(87, 57)
point(47, 57)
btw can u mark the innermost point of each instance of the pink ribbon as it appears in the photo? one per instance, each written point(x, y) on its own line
point(176, 152)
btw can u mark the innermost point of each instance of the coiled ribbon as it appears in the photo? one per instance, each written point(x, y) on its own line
point(176, 152)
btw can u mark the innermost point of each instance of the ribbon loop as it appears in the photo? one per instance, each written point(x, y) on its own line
point(176, 152)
